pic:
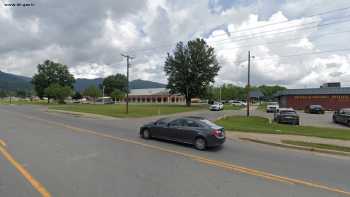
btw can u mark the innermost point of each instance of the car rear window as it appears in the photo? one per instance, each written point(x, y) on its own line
point(288, 112)
point(210, 124)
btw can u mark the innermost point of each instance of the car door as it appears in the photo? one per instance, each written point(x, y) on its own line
point(174, 129)
point(188, 131)
point(160, 128)
point(341, 116)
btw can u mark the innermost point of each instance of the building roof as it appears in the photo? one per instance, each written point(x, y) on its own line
point(149, 91)
point(315, 91)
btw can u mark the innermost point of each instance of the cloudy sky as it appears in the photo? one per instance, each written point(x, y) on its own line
point(296, 43)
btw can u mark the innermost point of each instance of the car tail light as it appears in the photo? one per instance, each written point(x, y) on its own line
point(216, 133)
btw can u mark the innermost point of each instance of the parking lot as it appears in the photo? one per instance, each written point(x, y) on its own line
point(306, 119)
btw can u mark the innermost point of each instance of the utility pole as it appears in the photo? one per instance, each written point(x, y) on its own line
point(128, 58)
point(103, 94)
point(248, 86)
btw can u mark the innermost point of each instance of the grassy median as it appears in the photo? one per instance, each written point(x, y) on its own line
point(262, 125)
point(135, 110)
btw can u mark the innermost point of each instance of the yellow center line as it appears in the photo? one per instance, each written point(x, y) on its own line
point(35, 183)
point(2, 143)
point(204, 160)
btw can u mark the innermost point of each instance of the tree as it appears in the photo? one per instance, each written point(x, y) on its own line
point(77, 96)
point(118, 81)
point(58, 92)
point(117, 95)
point(21, 93)
point(3, 94)
point(269, 91)
point(51, 73)
point(93, 92)
point(191, 69)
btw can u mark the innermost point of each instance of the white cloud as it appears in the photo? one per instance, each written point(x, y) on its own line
point(90, 39)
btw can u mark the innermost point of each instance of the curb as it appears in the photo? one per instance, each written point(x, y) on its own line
point(297, 147)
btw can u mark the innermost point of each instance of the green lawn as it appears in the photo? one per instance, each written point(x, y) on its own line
point(134, 109)
point(317, 145)
point(262, 125)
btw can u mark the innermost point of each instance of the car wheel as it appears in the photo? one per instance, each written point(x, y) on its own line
point(146, 134)
point(200, 143)
point(348, 123)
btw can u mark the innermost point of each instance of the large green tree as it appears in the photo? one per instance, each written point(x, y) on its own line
point(51, 73)
point(191, 69)
point(269, 91)
point(58, 92)
point(117, 95)
point(92, 92)
point(113, 82)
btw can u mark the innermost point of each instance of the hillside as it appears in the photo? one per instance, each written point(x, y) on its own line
point(11, 82)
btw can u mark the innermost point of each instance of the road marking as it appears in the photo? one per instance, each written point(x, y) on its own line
point(35, 183)
point(211, 162)
point(2, 143)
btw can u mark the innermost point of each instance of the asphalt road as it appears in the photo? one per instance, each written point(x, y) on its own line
point(63, 155)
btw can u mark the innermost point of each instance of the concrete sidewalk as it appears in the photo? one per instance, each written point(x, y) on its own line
point(277, 140)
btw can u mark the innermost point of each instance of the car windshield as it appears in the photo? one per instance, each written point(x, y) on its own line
point(315, 106)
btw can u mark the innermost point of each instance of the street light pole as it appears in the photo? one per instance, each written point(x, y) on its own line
point(128, 57)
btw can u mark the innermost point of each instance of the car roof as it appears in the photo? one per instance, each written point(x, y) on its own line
point(169, 119)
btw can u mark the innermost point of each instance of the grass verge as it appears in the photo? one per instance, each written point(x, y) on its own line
point(317, 145)
point(262, 125)
point(134, 110)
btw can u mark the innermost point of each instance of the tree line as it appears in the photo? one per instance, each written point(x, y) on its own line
point(54, 81)
point(190, 70)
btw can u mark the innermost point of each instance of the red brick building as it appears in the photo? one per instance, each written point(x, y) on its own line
point(154, 95)
point(331, 98)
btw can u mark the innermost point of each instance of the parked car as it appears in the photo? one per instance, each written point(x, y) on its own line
point(216, 106)
point(286, 115)
point(190, 130)
point(314, 109)
point(342, 116)
point(272, 107)
point(238, 103)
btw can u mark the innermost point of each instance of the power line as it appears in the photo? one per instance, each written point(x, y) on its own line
point(264, 34)
point(257, 27)
point(300, 54)
point(282, 41)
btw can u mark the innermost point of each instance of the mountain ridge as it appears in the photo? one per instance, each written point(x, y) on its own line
point(13, 82)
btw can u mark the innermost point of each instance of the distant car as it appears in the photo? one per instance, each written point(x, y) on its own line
point(238, 103)
point(190, 130)
point(272, 107)
point(286, 115)
point(342, 116)
point(216, 106)
point(314, 109)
